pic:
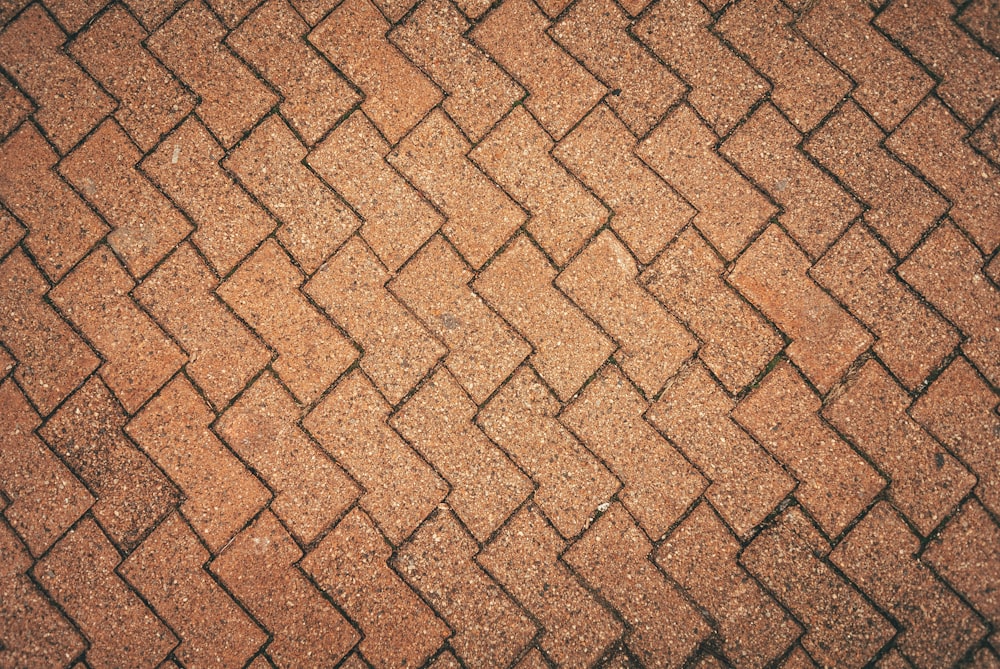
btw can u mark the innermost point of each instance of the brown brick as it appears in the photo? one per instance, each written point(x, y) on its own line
point(647, 213)
point(446, 660)
point(397, 220)
point(799, 659)
point(701, 556)
point(773, 274)
point(264, 291)
point(79, 574)
point(835, 484)
point(220, 494)
point(730, 210)
point(167, 571)
point(595, 32)
point(517, 155)
point(572, 483)
point(560, 90)
point(14, 107)
point(948, 271)
point(482, 349)
point(970, 75)
point(980, 18)
point(912, 339)
point(489, 629)
point(532, 660)
point(151, 13)
point(228, 223)
point(224, 353)
point(932, 140)
point(397, 94)
point(893, 660)
point(146, 226)
point(11, 232)
point(805, 86)
point(309, 490)
point(231, 98)
point(401, 490)
point(486, 486)
point(736, 342)
point(958, 409)
point(52, 359)
point(139, 357)
point(659, 484)
point(878, 555)
point(259, 567)
point(150, 99)
point(74, 14)
point(926, 482)
point(842, 629)
point(69, 102)
point(477, 91)
point(314, 220)
point(350, 563)
point(613, 559)
point(602, 281)
point(986, 138)
point(45, 499)
point(524, 557)
point(314, 95)
point(568, 348)
point(61, 229)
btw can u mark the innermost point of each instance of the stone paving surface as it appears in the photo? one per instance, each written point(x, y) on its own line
point(523, 333)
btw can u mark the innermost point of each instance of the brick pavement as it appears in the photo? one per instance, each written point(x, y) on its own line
point(525, 333)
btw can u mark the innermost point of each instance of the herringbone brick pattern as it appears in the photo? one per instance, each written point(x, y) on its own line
point(523, 333)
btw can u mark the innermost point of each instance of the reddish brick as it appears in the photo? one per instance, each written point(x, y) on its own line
point(842, 629)
point(912, 339)
point(560, 90)
point(959, 410)
point(647, 213)
point(572, 483)
point(69, 102)
point(799, 659)
point(970, 74)
point(79, 574)
point(479, 216)
point(397, 220)
point(701, 556)
point(11, 231)
point(446, 660)
point(167, 571)
point(314, 95)
point(980, 18)
point(309, 490)
point(736, 343)
point(532, 660)
point(595, 32)
point(264, 291)
point(901, 206)
point(231, 98)
point(477, 91)
point(14, 107)
point(401, 490)
point(150, 100)
point(879, 555)
point(146, 226)
point(259, 568)
point(524, 557)
point(486, 486)
point(805, 86)
point(350, 563)
point(52, 359)
point(74, 14)
point(893, 660)
point(948, 270)
point(773, 274)
point(613, 559)
point(220, 494)
point(933, 141)
point(61, 229)
point(926, 482)
point(659, 484)
point(151, 13)
point(482, 349)
point(489, 629)
point(730, 210)
point(397, 94)
point(568, 348)
point(986, 138)
point(45, 499)
point(229, 224)
point(835, 484)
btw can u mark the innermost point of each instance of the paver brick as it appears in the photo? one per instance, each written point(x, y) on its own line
point(152, 13)
point(979, 18)
point(986, 138)
point(11, 232)
point(14, 107)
